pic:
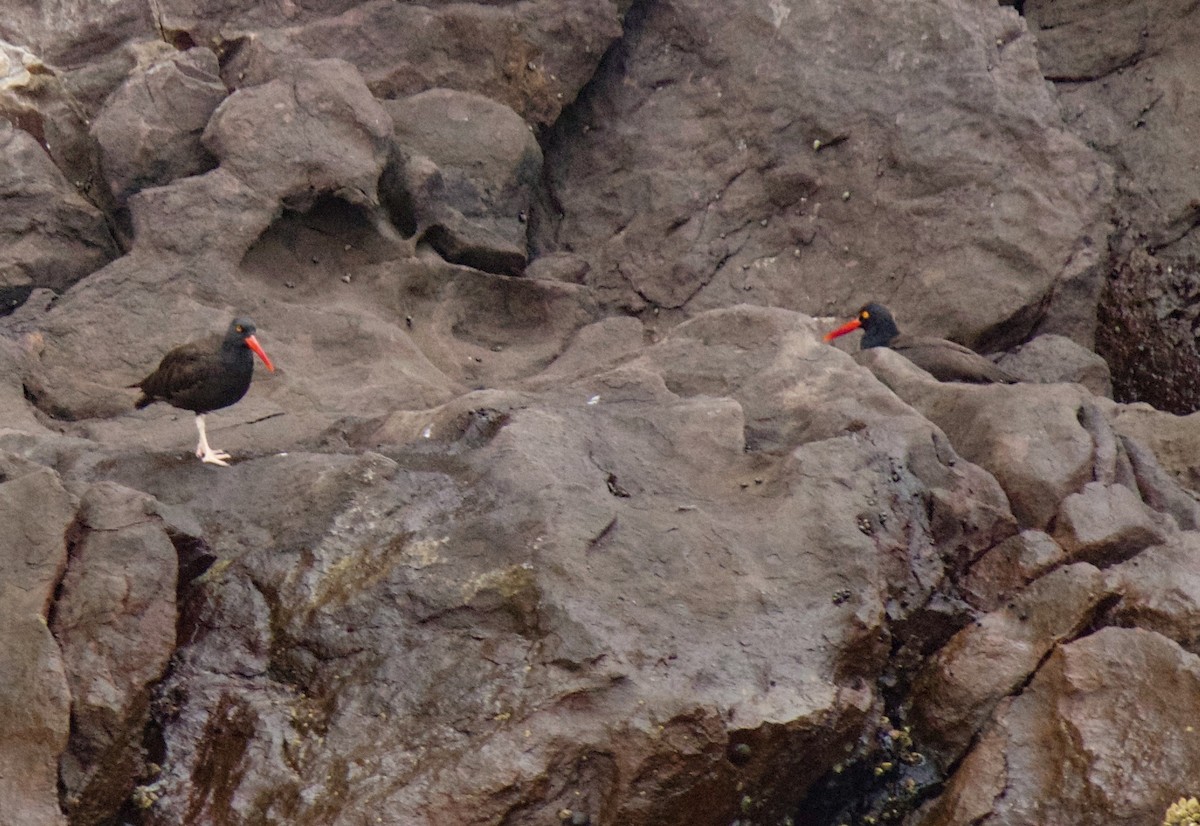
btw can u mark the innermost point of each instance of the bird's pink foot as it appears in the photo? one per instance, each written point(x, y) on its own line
point(213, 457)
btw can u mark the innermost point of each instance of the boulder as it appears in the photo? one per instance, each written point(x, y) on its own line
point(34, 699)
point(461, 176)
point(1160, 590)
point(115, 622)
point(1053, 358)
point(1059, 752)
point(50, 235)
point(533, 57)
point(149, 129)
point(955, 693)
point(1105, 524)
point(1031, 437)
point(1009, 566)
point(317, 131)
point(824, 155)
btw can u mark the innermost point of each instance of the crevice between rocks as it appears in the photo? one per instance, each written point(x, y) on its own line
point(546, 211)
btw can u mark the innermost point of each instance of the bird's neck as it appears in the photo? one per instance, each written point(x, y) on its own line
point(234, 352)
point(880, 334)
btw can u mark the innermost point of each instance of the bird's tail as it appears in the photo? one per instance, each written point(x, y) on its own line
point(144, 400)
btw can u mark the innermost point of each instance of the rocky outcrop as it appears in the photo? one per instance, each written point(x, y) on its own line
point(471, 206)
point(50, 236)
point(558, 509)
point(149, 129)
point(36, 700)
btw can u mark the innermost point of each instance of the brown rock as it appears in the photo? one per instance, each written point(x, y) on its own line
point(1060, 752)
point(1052, 358)
point(37, 98)
point(320, 130)
point(1160, 590)
point(34, 698)
point(1030, 437)
point(461, 176)
point(1009, 566)
point(533, 57)
point(115, 622)
point(149, 129)
point(1174, 440)
point(1105, 524)
point(794, 183)
point(50, 236)
point(1159, 489)
point(955, 693)
point(560, 570)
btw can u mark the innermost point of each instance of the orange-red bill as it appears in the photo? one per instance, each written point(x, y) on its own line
point(848, 327)
point(253, 344)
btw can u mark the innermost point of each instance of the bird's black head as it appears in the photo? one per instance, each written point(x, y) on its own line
point(876, 322)
point(240, 329)
point(241, 334)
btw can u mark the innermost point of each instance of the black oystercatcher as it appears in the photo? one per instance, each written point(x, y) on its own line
point(943, 359)
point(206, 375)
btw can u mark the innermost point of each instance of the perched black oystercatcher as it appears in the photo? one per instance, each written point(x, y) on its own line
point(942, 359)
point(206, 375)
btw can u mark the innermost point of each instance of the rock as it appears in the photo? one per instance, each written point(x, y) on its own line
point(319, 130)
point(1008, 567)
point(1105, 524)
point(36, 98)
point(1118, 71)
point(955, 693)
point(78, 32)
point(753, 171)
point(461, 176)
point(34, 699)
point(1160, 590)
point(533, 57)
point(563, 552)
point(1174, 440)
point(1051, 358)
point(1159, 489)
point(1059, 752)
point(149, 129)
point(1121, 111)
point(50, 236)
point(1030, 437)
point(115, 622)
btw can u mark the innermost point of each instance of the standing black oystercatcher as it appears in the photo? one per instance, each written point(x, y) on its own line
point(942, 359)
point(206, 375)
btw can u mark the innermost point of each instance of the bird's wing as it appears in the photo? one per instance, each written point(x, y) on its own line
point(180, 370)
point(947, 360)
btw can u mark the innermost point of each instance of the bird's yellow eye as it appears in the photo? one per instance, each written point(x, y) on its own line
point(241, 329)
point(864, 315)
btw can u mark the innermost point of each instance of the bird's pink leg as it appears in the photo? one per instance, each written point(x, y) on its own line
point(206, 453)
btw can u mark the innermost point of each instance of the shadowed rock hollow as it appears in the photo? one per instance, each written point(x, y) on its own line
point(557, 508)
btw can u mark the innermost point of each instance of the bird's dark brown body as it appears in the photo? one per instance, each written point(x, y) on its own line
point(200, 376)
point(941, 358)
point(206, 375)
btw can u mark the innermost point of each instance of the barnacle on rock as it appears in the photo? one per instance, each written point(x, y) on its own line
point(1183, 812)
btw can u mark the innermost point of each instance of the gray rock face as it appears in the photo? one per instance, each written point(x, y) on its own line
point(792, 157)
point(462, 175)
point(149, 129)
point(50, 236)
point(35, 698)
point(115, 623)
point(619, 539)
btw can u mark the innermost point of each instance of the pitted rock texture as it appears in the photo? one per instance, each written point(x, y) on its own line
point(558, 509)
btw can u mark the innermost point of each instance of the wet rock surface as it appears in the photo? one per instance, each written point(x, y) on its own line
point(558, 509)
